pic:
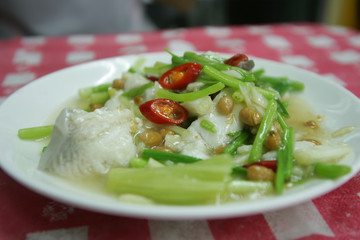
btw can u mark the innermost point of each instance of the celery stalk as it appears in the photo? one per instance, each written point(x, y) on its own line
point(84, 93)
point(331, 171)
point(33, 133)
point(198, 183)
point(136, 67)
point(138, 163)
point(99, 97)
point(245, 187)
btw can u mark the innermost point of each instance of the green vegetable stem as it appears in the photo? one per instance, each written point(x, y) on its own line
point(289, 145)
point(158, 69)
point(282, 109)
point(138, 90)
point(204, 60)
point(280, 171)
point(168, 156)
point(208, 125)
point(202, 182)
point(332, 171)
point(99, 97)
point(233, 82)
point(87, 91)
point(190, 96)
point(138, 163)
point(35, 132)
point(281, 84)
point(263, 131)
point(237, 142)
point(285, 159)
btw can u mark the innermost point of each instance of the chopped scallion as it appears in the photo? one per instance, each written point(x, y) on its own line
point(208, 125)
point(190, 96)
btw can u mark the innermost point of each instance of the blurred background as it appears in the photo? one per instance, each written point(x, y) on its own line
point(53, 17)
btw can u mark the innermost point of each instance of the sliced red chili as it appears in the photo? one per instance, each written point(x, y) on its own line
point(272, 164)
point(236, 59)
point(152, 78)
point(180, 76)
point(164, 111)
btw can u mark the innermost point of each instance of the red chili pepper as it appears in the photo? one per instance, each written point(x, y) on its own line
point(180, 76)
point(272, 164)
point(152, 78)
point(164, 111)
point(236, 59)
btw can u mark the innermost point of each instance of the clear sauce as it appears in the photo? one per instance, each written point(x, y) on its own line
point(94, 184)
point(301, 112)
point(73, 102)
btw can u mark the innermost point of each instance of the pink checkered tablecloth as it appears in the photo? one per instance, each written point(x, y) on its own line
point(333, 52)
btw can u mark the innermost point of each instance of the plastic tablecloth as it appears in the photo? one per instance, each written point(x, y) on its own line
point(331, 51)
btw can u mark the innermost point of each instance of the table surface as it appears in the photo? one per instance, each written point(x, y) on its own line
point(331, 51)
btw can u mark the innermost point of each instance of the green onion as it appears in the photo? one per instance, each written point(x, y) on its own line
point(136, 67)
point(193, 57)
point(258, 73)
point(263, 131)
point(281, 84)
point(87, 91)
point(157, 69)
point(289, 141)
point(239, 170)
point(191, 96)
point(101, 88)
point(34, 133)
point(208, 125)
point(332, 171)
point(206, 79)
point(237, 142)
point(285, 159)
point(138, 90)
point(282, 122)
point(138, 163)
point(280, 170)
point(176, 60)
point(233, 82)
point(234, 134)
point(237, 96)
point(222, 77)
point(166, 156)
point(204, 60)
point(281, 109)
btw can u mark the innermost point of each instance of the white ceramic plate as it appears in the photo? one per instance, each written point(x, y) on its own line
point(39, 102)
